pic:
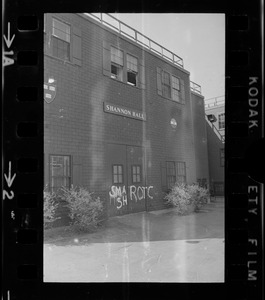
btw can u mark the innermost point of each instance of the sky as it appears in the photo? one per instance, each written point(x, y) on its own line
point(199, 39)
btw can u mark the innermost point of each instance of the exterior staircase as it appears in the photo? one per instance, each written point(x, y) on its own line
point(212, 103)
point(216, 131)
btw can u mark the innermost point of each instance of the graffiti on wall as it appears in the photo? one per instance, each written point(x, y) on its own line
point(118, 194)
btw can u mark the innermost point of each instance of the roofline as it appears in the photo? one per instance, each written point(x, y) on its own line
point(90, 19)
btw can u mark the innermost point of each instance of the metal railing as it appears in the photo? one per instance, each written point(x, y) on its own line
point(213, 102)
point(195, 87)
point(136, 36)
point(217, 132)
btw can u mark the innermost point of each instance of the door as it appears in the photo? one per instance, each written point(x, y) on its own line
point(117, 200)
point(137, 190)
point(126, 190)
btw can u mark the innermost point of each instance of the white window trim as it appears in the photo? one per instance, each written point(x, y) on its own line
point(179, 100)
point(65, 23)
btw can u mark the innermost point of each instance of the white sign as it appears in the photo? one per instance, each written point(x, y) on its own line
point(124, 111)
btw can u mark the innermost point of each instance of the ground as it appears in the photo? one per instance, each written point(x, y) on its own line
point(157, 246)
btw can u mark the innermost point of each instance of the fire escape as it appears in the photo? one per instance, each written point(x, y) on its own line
point(211, 119)
point(210, 103)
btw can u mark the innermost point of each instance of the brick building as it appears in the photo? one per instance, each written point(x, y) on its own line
point(215, 112)
point(122, 117)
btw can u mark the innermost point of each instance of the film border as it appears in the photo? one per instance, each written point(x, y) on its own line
point(23, 156)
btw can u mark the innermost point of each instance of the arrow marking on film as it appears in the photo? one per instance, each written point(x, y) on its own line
point(8, 40)
point(9, 179)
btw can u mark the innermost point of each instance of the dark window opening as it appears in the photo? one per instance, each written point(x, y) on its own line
point(131, 78)
point(116, 72)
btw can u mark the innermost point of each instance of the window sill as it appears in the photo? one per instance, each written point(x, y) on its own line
point(61, 60)
point(126, 83)
point(170, 99)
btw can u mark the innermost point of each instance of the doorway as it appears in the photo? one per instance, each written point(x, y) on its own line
point(126, 184)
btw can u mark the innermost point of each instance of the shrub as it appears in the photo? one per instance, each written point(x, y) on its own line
point(84, 210)
point(49, 208)
point(199, 196)
point(187, 198)
point(179, 197)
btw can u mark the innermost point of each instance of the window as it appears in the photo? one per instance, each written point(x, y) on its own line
point(221, 121)
point(181, 172)
point(61, 40)
point(136, 174)
point(116, 63)
point(60, 173)
point(176, 172)
point(222, 157)
point(171, 174)
point(121, 65)
point(170, 86)
point(175, 89)
point(117, 174)
point(166, 85)
point(132, 70)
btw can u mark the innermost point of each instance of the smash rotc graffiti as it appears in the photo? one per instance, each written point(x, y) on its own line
point(118, 194)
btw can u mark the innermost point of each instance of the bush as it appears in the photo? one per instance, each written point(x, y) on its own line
point(199, 196)
point(84, 210)
point(49, 208)
point(187, 198)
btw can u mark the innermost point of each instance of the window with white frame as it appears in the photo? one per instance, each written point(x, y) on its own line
point(61, 40)
point(221, 121)
point(175, 89)
point(136, 174)
point(117, 174)
point(123, 66)
point(60, 171)
point(170, 86)
point(116, 63)
point(132, 69)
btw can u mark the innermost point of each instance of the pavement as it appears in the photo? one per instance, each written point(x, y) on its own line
point(157, 246)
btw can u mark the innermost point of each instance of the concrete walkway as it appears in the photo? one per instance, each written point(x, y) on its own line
point(156, 246)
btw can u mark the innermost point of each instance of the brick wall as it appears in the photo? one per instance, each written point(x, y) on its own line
point(76, 125)
point(216, 171)
point(200, 137)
